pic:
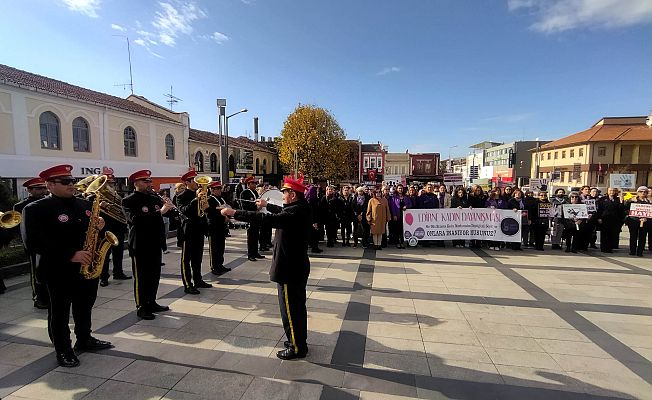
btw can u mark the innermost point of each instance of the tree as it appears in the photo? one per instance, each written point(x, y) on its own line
point(313, 142)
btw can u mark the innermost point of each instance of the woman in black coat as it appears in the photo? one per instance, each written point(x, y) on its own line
point(459, 200)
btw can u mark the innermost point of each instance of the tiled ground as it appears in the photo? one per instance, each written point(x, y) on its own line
point(393, 324)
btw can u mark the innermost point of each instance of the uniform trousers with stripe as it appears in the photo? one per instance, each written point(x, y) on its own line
point(216, 243)
point(39, 290)
point(146, 266)
point(79, 293)
point(292, 302)
point(192, 252)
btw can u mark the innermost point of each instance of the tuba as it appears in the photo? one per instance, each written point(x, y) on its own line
point(98, 251)
point(10, 219)
point(82, 185)
point(203, 181)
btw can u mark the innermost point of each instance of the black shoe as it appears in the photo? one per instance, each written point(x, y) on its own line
point(104, 282)
point(191, 290)
point(41, 305)
point(203, 285)
point(252, 259)
point(317, 250)
point(121, 277)
point(556, 247)
point(159, 308)
point(145, 314)
point(287, 344)
point(593, 246)
point(68, 359)
point(259, 256)
point(92, 344)
point(290, 354)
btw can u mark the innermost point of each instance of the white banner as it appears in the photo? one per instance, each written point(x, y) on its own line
point(578, 211)
point(622, 181)
point(462, 224)
point(640, 210)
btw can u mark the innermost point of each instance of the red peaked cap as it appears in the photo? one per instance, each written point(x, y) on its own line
point(34, 182)
point(249, 179)
point(294, 184)
point(108, 172)
point(142, 174)
point(215, 184)
point(188, 175)
point(56, 172)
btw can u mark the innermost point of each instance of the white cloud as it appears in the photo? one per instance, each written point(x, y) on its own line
point(176, 19)
point(118, 28)
point(146, 44)
point(555, 16)
point(218, 37)
point(140, 42)
point(88, 7)
point(388, 70)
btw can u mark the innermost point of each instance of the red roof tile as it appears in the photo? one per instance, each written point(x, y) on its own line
point(605, 133)
point(17, 77)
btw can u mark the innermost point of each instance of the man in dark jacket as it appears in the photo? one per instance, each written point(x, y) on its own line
point(331, 211)
point(290, 264)
point(610, 220)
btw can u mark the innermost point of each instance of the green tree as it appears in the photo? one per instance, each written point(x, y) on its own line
point(313, 143)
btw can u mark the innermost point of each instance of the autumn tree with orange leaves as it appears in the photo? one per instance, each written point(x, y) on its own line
point(313, 143)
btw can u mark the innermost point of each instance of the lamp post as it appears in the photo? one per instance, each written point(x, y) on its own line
point(224, 139)
point(450, 162)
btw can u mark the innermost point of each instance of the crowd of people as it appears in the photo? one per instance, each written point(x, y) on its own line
point(373, 216)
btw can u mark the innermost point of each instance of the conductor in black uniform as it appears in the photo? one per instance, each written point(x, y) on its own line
point(118, 228)
point(37, 190)
point(54, 228)
point(248, 198)
point(194, 230)
point(216, 229)
point(290, 264)
point(145, 211)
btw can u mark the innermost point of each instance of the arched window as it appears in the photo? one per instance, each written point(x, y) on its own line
point(131, 150)
point(50, 138)
point(199, 162)
point(169, 147)
point(80, 137)
point(214, 162)
point(264, 166)
point(257, 166)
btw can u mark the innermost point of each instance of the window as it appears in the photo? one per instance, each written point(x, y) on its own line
point(50, 138)
point(169, 147)
point(602, 151)
point(548, 155)
point(379, 162)
point(199, 162)
point(403, 170)
point(581, 152)
point(213, 162)
point(80, 139)
point(264, 166)
point(600, 179)
point(372, 162)
point(130, 142)
point(572, 153)
point(556, 155)
point(563, 154)
point(366, 162)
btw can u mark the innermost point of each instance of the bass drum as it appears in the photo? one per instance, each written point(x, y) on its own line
point(272, 196)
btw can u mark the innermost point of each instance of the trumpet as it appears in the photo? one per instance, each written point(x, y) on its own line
point(10, 219)
point(202, 201)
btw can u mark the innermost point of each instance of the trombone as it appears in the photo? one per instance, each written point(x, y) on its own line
point(10, 219)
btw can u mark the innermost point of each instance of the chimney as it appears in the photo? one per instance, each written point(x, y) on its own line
point(262, 138)
point(256, 129)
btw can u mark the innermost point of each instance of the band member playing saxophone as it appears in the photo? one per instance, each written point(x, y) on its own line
point(55, 229)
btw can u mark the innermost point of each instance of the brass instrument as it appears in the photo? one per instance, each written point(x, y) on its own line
point(202, 202)
point(111, 204)
point(10, 219)
point(98, 251)
point(82, 185)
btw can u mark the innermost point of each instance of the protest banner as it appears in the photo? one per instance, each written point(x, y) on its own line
point(538, 185)
point(590, 205)
point(577, 211)
point(622, 181)
point(545, 210)
point(640, 210)
point(461, 224)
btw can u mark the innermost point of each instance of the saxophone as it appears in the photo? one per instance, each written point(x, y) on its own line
point(94, 269)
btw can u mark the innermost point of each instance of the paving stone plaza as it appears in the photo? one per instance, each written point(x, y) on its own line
point(427, 323)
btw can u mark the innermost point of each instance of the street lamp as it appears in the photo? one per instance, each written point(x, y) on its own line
point(224, 140)
point(450, 162)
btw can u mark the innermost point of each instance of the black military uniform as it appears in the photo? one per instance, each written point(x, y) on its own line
point(54, 228)
point(253, 231)
point(146, 237)
point(39, 290)
point(194, 230)
point(290, 268)
point(217, 227)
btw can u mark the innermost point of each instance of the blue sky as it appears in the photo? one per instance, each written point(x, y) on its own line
point(422, 75)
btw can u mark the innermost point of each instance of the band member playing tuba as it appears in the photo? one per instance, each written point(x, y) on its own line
point(145, 210)
point(37, 190)
point(117, 224)
point(54, 229)
point(195, 227)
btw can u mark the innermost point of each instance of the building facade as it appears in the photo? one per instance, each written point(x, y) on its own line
point(372, 163)
point(44, 122)
point(613, 145)
point(511, 162)
point(397, 167)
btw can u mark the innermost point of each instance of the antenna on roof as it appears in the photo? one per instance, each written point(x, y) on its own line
point(131, 78)
point(172, 100)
